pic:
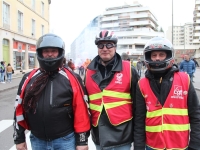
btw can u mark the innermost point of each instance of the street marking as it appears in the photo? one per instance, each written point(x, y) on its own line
point(4, 124)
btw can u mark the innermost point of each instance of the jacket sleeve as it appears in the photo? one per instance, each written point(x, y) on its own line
point(194, 118)
point(18, 135)
point(81, 117)
point(139, 121)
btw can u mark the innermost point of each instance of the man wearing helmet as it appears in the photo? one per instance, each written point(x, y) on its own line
point(110, 83)
point(167, 113)
point(50, 103)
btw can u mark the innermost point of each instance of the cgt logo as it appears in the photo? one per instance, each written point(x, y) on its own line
point(178, 92)
point(119, 78)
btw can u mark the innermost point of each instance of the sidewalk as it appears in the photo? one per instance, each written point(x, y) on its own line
point(16, 78)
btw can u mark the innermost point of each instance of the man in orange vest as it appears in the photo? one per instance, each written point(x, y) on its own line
point(167, 110)
point(110, 83)
point(50, 103)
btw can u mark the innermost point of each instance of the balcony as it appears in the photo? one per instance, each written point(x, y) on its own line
point(197, 1)
point(142, 23)
point(197, 21)
point(124, 17)
point(124, 24)
point(110, 25)
point(139, 32)
point(196, 34)
point(197, 28)
point(195, 40)
point(109, 18)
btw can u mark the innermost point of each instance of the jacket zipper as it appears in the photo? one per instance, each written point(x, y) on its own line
point(51, 94)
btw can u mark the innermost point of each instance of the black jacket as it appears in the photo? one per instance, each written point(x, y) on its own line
point(161, 90)
point(105, 134)
point(54, 113)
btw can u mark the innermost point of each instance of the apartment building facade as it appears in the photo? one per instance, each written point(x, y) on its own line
point(196, 30)
point(134, 25)
point(182, 35)
point(83, 46)
point(21, 24)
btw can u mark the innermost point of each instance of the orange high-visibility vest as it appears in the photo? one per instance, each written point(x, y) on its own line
point(115, 98)
point(167, 126)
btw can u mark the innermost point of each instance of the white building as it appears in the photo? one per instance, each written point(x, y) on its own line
point(83, 47)
point(182, 35)
point(196, 33)
point(133, 24)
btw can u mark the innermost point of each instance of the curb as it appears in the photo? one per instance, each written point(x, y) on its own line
point(8, 89)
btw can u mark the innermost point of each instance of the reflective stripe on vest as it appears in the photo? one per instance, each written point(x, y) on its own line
point(115, 100)
point(167, 126)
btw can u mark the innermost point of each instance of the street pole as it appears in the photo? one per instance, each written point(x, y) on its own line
point(172, 25)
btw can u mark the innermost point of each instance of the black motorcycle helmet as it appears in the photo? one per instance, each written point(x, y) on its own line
point(159, 44)
point(53, 41)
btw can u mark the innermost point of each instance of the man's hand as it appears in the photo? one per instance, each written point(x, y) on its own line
point(21, 146)
point(85, 147)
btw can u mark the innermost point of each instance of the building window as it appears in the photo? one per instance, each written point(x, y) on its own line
point(33, 27)
point(42, 29)
point(6, 15)
point(5, 42)
point(33, 4)
point(20, 22)
point(42, 9)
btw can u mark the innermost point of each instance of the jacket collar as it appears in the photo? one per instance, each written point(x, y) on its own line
point(167, 75)
point(117, 63)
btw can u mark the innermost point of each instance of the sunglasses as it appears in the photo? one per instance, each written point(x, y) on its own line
point(108, 45)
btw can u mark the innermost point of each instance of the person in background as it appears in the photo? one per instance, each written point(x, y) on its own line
point(9, 73)
point(2, 72)
point(139, 67)
point(188, 66)
point(110, 83)
point(50, 103)
point(195, 62)
point(167, 110)
point(71, 65)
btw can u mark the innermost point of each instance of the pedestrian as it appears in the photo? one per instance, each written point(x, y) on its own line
point(71, 65)
point(2, 72)
point(188, 66)
point(9, 73)
point(195, 62)
point(50, 103)
point(110, 83)
point(139, 67)
point(81, 70)
point(167, 114)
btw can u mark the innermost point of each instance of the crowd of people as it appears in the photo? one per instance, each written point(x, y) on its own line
point(113, 104)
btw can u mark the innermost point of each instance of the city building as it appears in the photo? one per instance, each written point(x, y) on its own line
point(196, 30)
point(83, 47)
point(132, 23)
point(182, 40)
point(21, 24)
point(182, 35)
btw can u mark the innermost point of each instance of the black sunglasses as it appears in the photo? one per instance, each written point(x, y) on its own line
point(108, 45)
